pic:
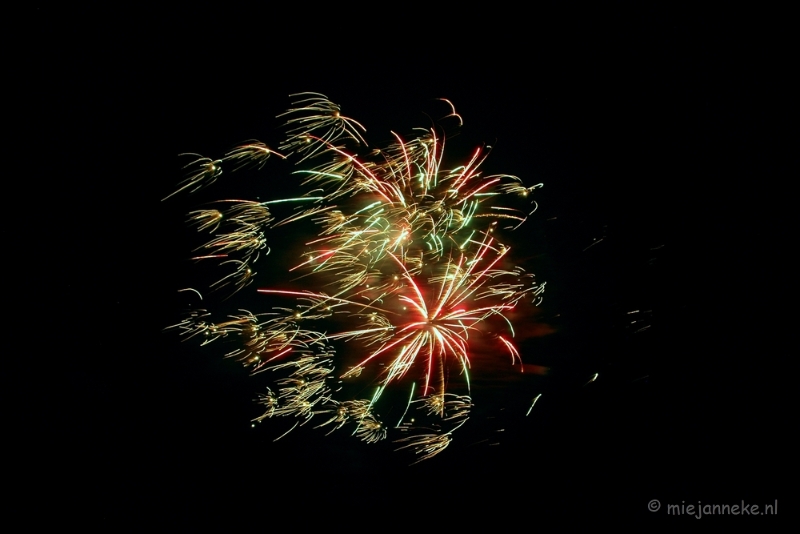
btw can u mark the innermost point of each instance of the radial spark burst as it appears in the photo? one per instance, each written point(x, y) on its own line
point(402, 273)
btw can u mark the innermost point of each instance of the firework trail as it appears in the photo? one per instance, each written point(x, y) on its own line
point(403, 267)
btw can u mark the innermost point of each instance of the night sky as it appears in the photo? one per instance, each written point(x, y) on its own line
point(659, 137)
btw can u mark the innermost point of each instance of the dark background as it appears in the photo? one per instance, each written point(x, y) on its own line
point(659, 135)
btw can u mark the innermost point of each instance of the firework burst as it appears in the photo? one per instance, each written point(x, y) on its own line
point(403, 272)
